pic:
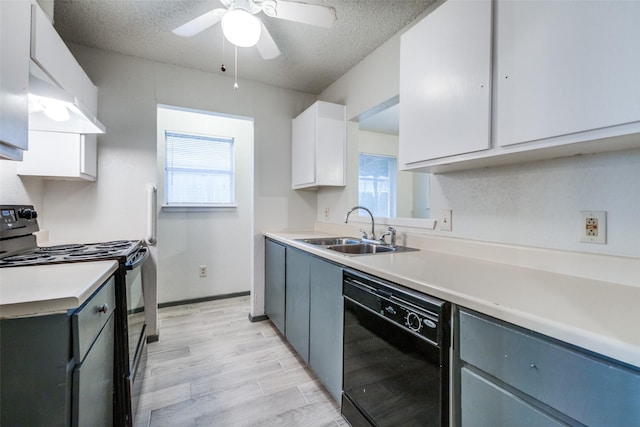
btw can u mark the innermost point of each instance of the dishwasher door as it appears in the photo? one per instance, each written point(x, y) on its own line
point(393, 376)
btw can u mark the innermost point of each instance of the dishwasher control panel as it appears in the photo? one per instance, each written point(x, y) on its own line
point(415, 312)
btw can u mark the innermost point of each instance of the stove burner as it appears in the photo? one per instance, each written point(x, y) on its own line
point(26, 258)
point(115, 244)
point(61, 249)
point(91, 254)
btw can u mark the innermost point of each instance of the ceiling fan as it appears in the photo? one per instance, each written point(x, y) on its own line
point(242, 28)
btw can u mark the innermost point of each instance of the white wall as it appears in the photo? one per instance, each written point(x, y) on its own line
point(129, 90)
point(15, 190)
point(221, 240)
point(535, 204)
point(538, 204)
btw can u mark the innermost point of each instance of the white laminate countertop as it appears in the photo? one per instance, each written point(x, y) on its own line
point(596, 315)
point(48, 289)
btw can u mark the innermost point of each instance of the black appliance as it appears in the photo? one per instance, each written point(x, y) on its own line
point(396, 355)
point(18, 247)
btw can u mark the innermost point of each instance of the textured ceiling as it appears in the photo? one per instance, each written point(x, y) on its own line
point(312, 58)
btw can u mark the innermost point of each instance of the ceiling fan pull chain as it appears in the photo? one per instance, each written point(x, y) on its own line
point(235, 85)
point(222, 67)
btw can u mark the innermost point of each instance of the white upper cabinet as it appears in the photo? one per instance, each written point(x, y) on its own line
point(63, 156)
point(445, 82)
point(564, 81)
point(52, 55)
point(14, 83)
point(566, 68)
point(318, 148)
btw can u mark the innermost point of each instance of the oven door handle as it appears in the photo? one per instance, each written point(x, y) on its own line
point(140, 256)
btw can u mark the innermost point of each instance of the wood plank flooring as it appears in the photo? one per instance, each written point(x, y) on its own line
point(212, 367)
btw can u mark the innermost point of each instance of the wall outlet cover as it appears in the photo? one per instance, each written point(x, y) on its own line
point(445, 220)
point(593, 227)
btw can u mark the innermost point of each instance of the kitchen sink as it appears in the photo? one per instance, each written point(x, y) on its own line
point(361, 249)
point(353, 246)
point(368, 248)
point(330, 241)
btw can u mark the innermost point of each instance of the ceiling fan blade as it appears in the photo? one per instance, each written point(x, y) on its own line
point(266, 46)
point(320, 16)
point(200, 23)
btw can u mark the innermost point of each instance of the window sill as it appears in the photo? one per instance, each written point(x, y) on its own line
point(199, 208)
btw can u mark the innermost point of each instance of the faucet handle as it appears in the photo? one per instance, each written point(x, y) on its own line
point(364, 234)
point(392, 232)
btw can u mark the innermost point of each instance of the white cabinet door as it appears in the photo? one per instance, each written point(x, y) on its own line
point(303, 148)
point(318, 147)
point(57, 155)
point(14, 81)
point(445, 82)
point(52, 55)
point(565, 67)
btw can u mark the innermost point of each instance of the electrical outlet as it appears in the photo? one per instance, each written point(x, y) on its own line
point(445, 220)
point(202, 270)
point(593, 227)
point(326, 213)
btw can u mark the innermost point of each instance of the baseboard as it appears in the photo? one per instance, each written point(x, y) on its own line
point(203, 299)
point(259, 318)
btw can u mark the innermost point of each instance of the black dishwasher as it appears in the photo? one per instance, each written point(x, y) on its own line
point(396, 355)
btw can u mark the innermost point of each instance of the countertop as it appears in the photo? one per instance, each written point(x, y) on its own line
point(49, 289)
point(596, 315)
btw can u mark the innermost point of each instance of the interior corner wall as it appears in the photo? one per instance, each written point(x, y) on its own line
point(129, 90)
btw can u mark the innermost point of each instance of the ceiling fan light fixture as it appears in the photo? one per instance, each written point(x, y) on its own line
point(241, 28)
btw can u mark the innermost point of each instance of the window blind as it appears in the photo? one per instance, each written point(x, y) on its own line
point(199, 169)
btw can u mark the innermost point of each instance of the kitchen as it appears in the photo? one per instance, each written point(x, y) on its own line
point(531, 204)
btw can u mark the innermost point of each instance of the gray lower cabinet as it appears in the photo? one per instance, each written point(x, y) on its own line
point(509, 371)
point(57, 370)
point(326, 324)
point(303, 299)
point(298, 272)
point(486, 404)
point(274, 282)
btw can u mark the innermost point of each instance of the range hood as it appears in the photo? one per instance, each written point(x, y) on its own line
point(53, 109)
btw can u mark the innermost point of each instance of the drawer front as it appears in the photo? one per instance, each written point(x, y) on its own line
point(590, 390)
point(484, 404)
point(93, 383)
point(89, 319)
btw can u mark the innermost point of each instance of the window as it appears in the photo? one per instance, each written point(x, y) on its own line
point(198, 170)
point(377, 184)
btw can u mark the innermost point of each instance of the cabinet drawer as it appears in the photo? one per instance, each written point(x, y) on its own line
point(484, 404)
point(591, 390)
point(93, 383)
point(89, 319)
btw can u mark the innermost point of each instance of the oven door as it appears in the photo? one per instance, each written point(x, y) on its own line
point(391, 376)
point(136, 327)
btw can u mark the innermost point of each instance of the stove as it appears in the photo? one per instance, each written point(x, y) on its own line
point(18, 248)
point(71, 253)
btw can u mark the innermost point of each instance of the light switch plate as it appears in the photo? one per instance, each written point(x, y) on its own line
point(445, 220)
point(593, 227)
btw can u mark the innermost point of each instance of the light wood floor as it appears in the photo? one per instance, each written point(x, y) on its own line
point(212, 367)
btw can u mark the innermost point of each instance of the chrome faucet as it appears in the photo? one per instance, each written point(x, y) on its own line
point(373, 226)
point(390, 232)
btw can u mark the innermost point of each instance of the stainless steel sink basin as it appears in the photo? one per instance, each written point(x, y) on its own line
point(361, 249)
point(329, 241)
point(353, 246)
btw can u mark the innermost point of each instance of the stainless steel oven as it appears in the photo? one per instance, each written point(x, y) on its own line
point(18, 247)
point(396, 355)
